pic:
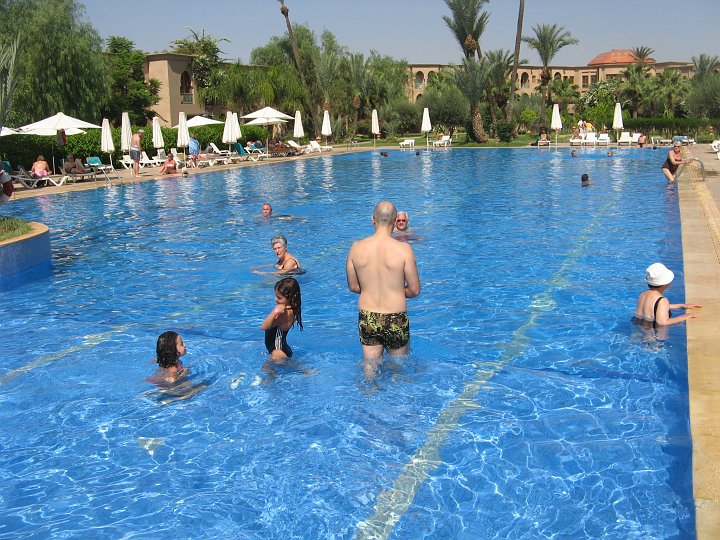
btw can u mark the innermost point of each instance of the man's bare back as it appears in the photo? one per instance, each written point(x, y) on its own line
point(383, 271)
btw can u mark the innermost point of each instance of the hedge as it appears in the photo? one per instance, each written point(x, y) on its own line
point(24, 149)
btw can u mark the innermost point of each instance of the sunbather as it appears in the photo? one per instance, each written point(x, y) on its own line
point(73, 165)
point(40, 169)
point(170, 165)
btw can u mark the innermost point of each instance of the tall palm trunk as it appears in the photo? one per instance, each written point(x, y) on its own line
point(516, 61)
point(293, 45)
point(477, 126)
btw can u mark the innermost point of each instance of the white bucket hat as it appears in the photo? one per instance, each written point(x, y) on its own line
point(658, 274)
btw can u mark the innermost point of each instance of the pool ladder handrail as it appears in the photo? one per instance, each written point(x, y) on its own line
point(682, 168)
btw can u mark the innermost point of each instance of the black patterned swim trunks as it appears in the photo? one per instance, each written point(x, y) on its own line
point(391, 330)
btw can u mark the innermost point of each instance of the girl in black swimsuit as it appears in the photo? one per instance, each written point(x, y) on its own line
point(286, 313)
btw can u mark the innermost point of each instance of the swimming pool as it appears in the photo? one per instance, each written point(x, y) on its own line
point(530, 407)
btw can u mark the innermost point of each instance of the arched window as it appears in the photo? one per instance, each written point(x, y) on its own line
point(557, 76)
point(431, 76)
point(419, 79)
point(185, 83)
point(524, 80)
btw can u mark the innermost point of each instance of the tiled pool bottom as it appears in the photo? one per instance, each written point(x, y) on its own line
point(570, 424)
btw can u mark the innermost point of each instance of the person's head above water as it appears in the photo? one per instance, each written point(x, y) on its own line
point(573, 153)
point(657, 275)
point(585, 179)
point(169, 349)
point(402, 220)
point(266, 210)
point(384, 214)
point(290, 289)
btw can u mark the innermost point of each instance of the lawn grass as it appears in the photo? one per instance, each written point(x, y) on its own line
point(11, 227)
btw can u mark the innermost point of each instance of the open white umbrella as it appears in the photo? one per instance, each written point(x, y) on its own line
point(298, 130)
point(617, 120)
point(8, 131)
point(50, 126)
point(183, 135)
point(375, 125)
point(125, 133)
point(266, 121)
point(230, 134)
point(197, 121)
point(426, 126)
point(556, 121)
point(158, 141)
point(267, 112)
point(325, 129)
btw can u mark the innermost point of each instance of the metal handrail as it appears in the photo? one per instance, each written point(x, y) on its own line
point(682, 168)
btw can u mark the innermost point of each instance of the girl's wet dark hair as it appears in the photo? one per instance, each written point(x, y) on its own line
point(290, 289)
point(167, 353)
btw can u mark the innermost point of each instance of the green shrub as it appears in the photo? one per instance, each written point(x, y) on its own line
point(504, 131)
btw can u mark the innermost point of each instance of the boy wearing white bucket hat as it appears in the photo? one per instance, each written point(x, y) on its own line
point(652, 307)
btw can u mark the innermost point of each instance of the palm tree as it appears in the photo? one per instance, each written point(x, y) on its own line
point(548, 40)
point(467, 24)
point(642, 54)
point(671, 88)
point(516, 61)
point(500, 64)
point(8, 82)
point(472, 79)
point(563, 91)
point(286, 13)
point(634, 84)
point(356, 72)
point(705, 65)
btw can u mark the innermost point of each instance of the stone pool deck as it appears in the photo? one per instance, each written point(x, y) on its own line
point(699, 203)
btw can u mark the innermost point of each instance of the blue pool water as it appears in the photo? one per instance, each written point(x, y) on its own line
point(530, 407)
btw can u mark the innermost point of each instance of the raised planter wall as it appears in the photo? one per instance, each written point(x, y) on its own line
point(25, 252)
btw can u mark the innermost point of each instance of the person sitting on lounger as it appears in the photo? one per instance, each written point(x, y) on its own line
point(170, 165)
point(40, 168)
point(73, 165)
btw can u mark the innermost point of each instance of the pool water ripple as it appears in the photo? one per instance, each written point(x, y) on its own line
point(577, 427)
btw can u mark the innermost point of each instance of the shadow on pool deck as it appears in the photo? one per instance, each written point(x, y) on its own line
point(699, 203)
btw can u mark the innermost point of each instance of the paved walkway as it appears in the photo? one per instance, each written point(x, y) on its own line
point(699, 202)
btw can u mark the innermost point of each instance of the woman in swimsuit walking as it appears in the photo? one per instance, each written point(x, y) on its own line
point(673, 161)
point(652, 307)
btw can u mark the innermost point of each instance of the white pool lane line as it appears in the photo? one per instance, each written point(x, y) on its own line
point(392, 503)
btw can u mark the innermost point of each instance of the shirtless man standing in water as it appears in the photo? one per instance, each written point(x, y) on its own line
point(383, 271)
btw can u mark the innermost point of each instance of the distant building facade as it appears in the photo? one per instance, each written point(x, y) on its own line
point(603, 67)
point(178, 90)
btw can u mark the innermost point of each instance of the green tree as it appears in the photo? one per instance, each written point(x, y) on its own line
point(635, 82)
point(128, 89)
point(467, 24)
point(547, 41)
point(642, 54)
point(8, 77)
point(472, 79)
point(206, 57)
point(704, 98)
point(705, 66)
point(516, 60)
point(60, 62)
point(563, 92)
point(500, 63)
point(449, 108)
point(670, 89)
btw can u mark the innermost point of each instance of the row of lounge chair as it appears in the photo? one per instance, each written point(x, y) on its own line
point(94, 167)
point(444, 141)
point(591, 139)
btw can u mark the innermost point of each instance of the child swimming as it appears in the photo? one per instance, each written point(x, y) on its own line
point(171, 376)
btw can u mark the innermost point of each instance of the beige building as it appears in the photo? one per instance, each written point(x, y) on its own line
point(603, 67)
point(178, 91)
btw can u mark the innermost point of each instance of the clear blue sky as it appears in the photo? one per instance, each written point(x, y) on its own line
point(414, 30)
